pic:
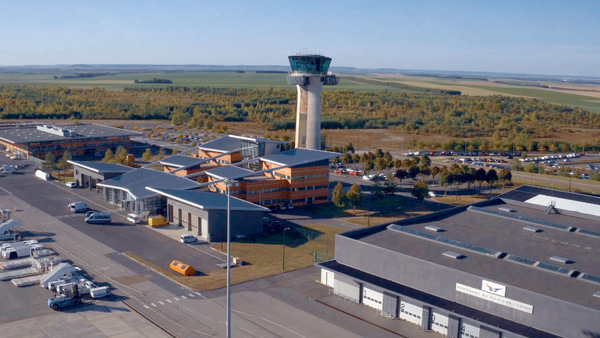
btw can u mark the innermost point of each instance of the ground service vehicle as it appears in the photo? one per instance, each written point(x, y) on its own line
point(99, 218)
point(100, 292)
point(69, 296)
point(6, 246)
point(23, 250)
point(78, 207)
point(6, 232)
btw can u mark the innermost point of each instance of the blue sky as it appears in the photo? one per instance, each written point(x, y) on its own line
point(532, 37)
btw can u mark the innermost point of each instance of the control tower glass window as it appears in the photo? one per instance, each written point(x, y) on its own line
point(312, 64)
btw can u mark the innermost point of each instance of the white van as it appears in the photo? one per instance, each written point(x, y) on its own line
point(78, 207)
point(99, 218)
point(133, 218)
point(187, 238)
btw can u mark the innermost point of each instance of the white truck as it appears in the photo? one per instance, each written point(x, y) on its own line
point(5, 246)
point(22, 250)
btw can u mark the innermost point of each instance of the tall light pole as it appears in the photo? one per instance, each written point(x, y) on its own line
point(229, 183)
point(283, 254)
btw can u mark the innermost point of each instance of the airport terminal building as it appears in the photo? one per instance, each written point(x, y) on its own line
point(35, 140)
point(524, 264)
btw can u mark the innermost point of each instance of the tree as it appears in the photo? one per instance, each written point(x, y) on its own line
point(377, 189)
point(161, 154)
point(339, 198)
point(50, 162)
point(354, 196)
point(147, 155)
point(63, 163)
point(413, 172)
point(480, 177)
point(401, 174)
point(435, 170)
point(425, 160)
point(420, 190)
point(446, 179)
point(492, 177)
point(121, 156)
point(468, 175)
point(389, 187)
point(531, 167)
point(505, 176)
point(109, 156)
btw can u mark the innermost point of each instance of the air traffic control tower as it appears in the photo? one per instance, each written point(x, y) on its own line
point(309, 74)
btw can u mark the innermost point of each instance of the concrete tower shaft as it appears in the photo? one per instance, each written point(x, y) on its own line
point(309, 74)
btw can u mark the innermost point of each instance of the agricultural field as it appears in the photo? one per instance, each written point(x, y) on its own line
point(584, 96)
point(249, 80)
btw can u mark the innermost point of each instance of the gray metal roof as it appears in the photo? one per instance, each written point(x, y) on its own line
point(136, 181)
point(467, 231)
point(299, 156)
point(208, 200)
point(102, 167)
point(233, 143)
point(222, 144)
point(229, 171)
point(524, 193)
point(258, 139)
point(182, 161)
point(30, 133)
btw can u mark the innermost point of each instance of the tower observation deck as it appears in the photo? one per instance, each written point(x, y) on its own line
point(309, 74)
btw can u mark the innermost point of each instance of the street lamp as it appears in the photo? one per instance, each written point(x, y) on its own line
point(283, 254)
point(229, 183)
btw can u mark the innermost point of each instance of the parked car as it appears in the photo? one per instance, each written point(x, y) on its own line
point(431, 194)
point(71, 184)
point(157, 221)
point(187, 238)
point(78, 207)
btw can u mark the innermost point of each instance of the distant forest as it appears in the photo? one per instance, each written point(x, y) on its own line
point(153, 80)
point(494, 121)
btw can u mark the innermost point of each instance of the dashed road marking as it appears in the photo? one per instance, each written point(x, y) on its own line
point(191, 295)
point(177, 299)
point(168, 300)
point(183, 297)
point(198, 293)
point(153, 304)
point(146, 306)
point(161, 303)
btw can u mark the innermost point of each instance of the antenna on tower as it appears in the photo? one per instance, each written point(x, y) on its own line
point(306, 44)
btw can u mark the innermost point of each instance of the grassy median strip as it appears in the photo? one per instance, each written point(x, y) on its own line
point(264, 257)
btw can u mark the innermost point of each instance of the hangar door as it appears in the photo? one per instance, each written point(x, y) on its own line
point(327, 277)
point(411, 313)
point(439, 322)
point(469, 331)
point(373, 298)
